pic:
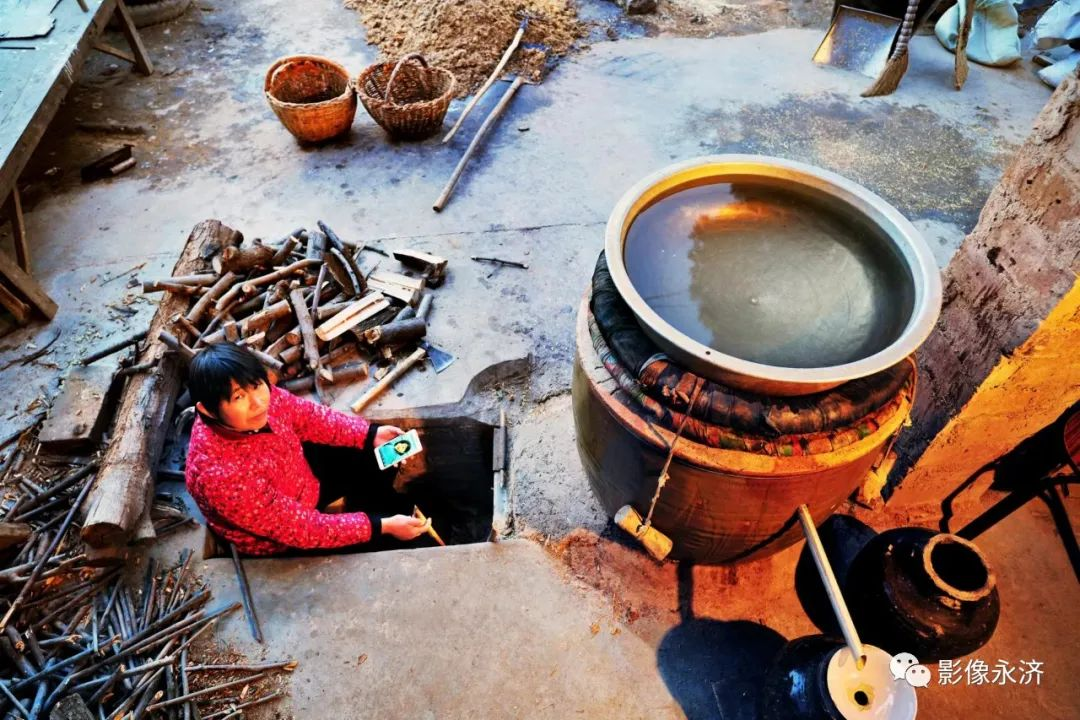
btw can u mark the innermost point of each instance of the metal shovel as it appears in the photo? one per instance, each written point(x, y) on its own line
point(864, 32)
point(858, 40)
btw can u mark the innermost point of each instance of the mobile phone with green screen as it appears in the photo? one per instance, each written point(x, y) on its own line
point(393, 452)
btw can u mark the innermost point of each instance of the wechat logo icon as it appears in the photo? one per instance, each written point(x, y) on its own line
point(905, 666)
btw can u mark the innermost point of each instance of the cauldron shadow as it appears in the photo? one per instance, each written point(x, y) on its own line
point(715, 669)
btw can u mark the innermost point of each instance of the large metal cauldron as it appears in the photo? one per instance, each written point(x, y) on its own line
point(796, 308)
point(718, 506)
point(875, 295)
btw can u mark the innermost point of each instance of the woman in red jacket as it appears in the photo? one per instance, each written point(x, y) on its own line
point(246, 465)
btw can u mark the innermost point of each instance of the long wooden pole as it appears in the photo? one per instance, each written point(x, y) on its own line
point(477, 141)
point(491, 78)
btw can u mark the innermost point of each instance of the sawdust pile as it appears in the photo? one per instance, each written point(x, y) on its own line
point(469, 36)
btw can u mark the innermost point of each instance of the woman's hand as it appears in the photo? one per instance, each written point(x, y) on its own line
point(404, 527)
point(386, 433)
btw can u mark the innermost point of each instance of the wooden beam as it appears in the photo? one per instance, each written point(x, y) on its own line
point(131, 34)
point(13, 210)
point(118, 499)
point(102, 46)
point(18, 309)
point(26, 286)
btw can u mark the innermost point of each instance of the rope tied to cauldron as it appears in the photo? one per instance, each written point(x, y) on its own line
point(643, 528)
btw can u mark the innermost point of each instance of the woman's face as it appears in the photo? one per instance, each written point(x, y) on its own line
point(246, 407)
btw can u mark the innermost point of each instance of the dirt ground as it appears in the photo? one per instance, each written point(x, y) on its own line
point(710, 18)
point(469, 36)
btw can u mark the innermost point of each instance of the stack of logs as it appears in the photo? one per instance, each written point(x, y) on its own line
point(78, 642)
point(303, 305)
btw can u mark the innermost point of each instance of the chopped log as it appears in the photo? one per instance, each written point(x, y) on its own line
point(352, 283)
point(316, 245)
point(249, 306)
point(215, 245)
point(291, 355)
point(153, 286)
point(329, 310)
point(285, 250)
point(409, 283)
point(255, 341)
point(202, 304)
point(268, 362)
point(433, 267)
point(13, 534)
point(182, 323)
point(118, 497)
point(341, 355)
point(279, 345)
point(396, 333)
point(280, 274)
point(424, 307)
point(398, 292)
point(347, 251)
point(358, 311)
point(259, 321)
point(170, 341)
point(307, 327)
point(342, 374)
point(242, 260)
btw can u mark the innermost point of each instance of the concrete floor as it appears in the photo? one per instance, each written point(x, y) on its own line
point(508, 631)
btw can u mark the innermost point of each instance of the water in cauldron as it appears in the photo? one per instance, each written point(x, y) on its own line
point(768, 274)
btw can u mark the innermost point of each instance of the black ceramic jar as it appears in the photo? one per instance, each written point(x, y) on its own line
point(916, 591)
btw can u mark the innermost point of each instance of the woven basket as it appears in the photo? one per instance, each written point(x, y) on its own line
point(312, 96)
point(408, 98)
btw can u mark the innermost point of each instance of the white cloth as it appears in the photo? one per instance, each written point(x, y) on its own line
point(994, 38)
point(1058, 25)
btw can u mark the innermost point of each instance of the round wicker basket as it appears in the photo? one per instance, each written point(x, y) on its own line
point(312, 96)
point(408, 98)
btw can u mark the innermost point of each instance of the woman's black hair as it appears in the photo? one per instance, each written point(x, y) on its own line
point(214, 367)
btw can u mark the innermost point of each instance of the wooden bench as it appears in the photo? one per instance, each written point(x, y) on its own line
point(35, 75)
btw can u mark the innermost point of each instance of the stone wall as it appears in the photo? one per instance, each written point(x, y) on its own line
point(1004, 359)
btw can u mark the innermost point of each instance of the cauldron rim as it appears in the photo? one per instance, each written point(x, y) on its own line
point(755, 376)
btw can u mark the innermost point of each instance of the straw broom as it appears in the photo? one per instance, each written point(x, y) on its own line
point(894, 69)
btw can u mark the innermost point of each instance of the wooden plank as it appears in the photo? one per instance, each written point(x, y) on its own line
point(409, 283)
point(13, 210)
point(35, 83)
point(358, 311)
point(18, 309)
point(76, 421)
point(102, 46)
point(118, 499)
point(404, 294)
point(131, 34)
point(26, 286)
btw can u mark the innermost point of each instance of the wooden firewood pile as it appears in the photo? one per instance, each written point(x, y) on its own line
point(81, 641)
point(304, 307)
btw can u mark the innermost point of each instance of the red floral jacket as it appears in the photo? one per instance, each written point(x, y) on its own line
point(256, 489)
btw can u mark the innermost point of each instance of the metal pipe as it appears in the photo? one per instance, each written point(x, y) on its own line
point(832, 588)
